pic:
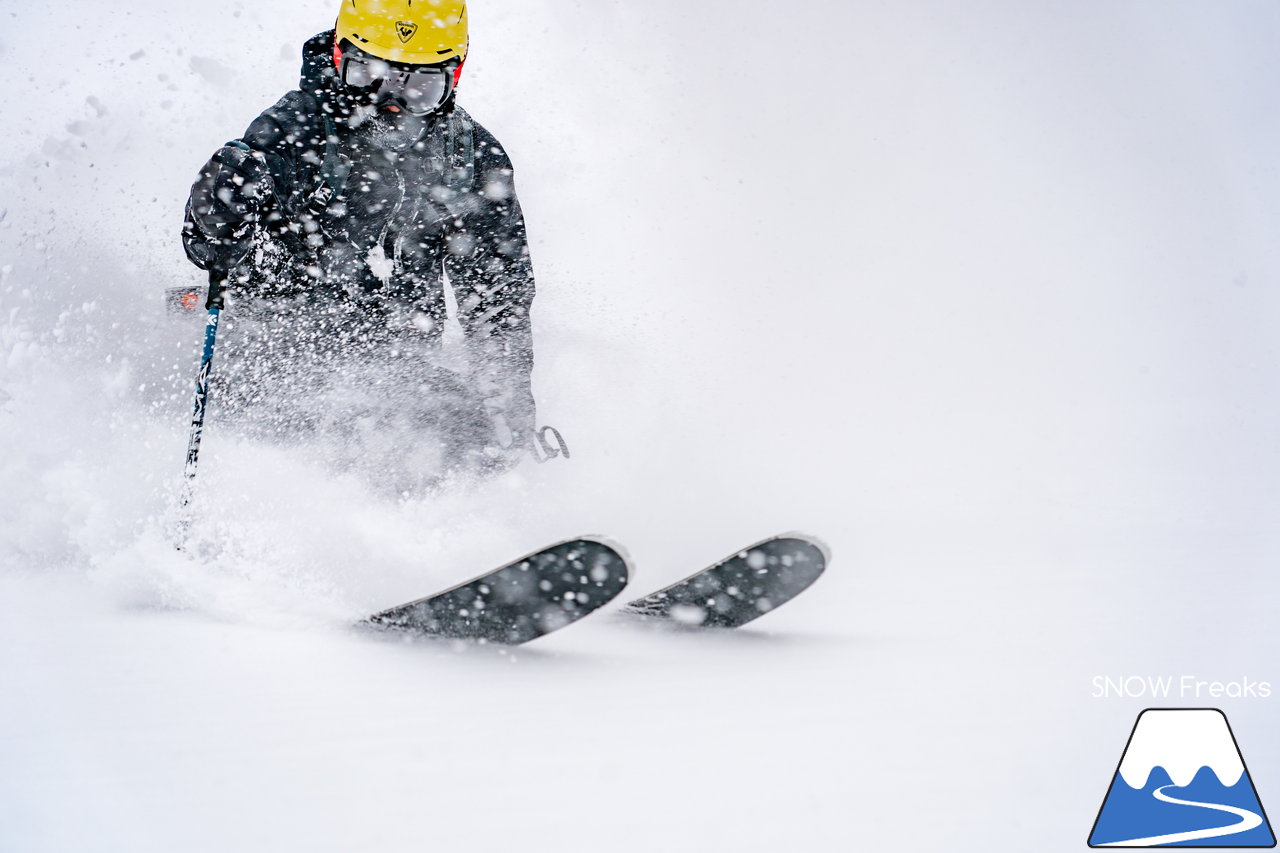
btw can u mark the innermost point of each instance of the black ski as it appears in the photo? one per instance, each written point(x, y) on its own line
point(742, 587)
point(533, 596)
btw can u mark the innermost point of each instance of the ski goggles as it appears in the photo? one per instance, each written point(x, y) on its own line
point(417, 89)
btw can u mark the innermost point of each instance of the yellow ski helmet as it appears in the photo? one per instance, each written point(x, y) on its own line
point(416, 32)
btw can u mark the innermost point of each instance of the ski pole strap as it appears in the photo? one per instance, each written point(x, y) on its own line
point(551, 451)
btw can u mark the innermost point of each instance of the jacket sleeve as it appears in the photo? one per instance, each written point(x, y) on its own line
point(488, 263)
point(247, 183)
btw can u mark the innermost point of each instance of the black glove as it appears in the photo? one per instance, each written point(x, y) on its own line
point(232, 193)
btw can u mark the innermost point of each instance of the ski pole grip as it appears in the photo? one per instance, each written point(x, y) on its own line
point(217, 288)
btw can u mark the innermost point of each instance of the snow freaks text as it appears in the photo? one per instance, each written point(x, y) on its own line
point(1177, 687)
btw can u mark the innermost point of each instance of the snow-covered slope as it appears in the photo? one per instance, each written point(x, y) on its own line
point(984, 294)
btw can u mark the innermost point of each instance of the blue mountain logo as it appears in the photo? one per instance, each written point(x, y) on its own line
point(1182, 782)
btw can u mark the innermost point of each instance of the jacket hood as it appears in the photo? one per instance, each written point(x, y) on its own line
point(319, 76)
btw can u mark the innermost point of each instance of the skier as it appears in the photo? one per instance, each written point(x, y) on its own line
point(335, 222)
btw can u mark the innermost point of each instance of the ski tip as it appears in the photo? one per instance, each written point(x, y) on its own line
point(742, 587)
point(815, 541)
point(615, 546)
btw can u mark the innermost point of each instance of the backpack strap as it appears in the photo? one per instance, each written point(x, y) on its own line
point(336, 167)
point(334, 171)
point(460, 149)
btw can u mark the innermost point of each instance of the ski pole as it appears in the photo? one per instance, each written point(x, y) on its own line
point(214, 304)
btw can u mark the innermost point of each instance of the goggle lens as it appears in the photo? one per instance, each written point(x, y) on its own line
point(362, 73)
point(424, 92)
point(419, 89)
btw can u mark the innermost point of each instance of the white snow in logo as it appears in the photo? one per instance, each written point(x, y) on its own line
point(1181, 742)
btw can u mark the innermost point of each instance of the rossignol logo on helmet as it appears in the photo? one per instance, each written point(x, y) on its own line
point(406, 30)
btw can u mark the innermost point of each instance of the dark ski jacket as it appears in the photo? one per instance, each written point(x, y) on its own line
point(320, 200)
